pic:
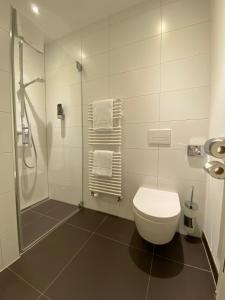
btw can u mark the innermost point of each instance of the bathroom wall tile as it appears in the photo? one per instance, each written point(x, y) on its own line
point(184, 13)
point(7, 212)
point(134, 83)
point(136, 55)
point(145, 23)
point(1, 257)
point(69, 74)
point(174, 163)
point(4, 14)
point(186, 42)
point(135, 135)
point(71, 94)
point(164, 2)
point(10, 249)
point(33, 63)
point(185, 73)
point(95, 66)
point(56, 160)
point(73, 136)
point(72, 45)
point(95, 39)
point(53, 58)
point(185, 104)
point(56, 136)
point(134, 11)
point(4, 91)
point(189, 132)
point(95, 90)
point(141, 161)
point(141, 109)
point(6, 134)
point(6, 175)
point(4, 50)
point(72, 116)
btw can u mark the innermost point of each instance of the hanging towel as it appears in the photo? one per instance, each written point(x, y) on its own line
point(103, 114)
point(102, 163)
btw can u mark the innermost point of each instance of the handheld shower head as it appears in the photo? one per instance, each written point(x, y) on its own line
point(41, 80)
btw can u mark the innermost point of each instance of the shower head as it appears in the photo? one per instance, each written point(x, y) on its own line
point(41, 80)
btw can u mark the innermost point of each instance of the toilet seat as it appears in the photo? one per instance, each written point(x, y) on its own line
point(157, 206)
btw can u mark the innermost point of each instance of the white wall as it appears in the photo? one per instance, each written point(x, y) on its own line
point(8, 227)
point(214, 219)
point(33, 183)
point(156, 58)
point(63, 85)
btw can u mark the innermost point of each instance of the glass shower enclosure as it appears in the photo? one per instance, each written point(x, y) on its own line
point(47, 107)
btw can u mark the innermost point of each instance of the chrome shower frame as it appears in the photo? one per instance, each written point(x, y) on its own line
point(14, 129)
point(13, 34)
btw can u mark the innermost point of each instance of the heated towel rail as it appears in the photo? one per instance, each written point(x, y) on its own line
point(110, 139)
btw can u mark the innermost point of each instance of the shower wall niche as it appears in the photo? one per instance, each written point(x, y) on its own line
point(33, 181)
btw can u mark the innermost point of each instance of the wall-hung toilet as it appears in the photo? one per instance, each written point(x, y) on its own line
point(156, 214)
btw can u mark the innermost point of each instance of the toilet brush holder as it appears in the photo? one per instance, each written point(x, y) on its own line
point(190, 216)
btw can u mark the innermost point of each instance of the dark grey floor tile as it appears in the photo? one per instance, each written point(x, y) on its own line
point(46, 206)
point(185, 250)
point(41, 264)
point(104, 269)
point(173, 281)
point(28, 217)
point(124, 231)
point(87, 219)
point(12, 287)
point(36, 229)
point(62, 211)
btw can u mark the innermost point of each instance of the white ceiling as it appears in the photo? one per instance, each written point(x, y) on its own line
point(61, 17)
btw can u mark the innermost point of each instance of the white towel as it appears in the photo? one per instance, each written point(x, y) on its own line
point(102, 163)
point(103, 114)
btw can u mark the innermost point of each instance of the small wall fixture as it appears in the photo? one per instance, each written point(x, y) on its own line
point(194, 150)
point(60, 112)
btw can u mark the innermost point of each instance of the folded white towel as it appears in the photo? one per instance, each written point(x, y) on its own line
point(102, 163)
point(103, 114)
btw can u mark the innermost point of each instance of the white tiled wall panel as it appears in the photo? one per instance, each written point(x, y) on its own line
point(65, 136)
point(185, 73)
point(157, 60)
point(184, 13)
point(4, 91)
point(9, 251)
point(185, 104)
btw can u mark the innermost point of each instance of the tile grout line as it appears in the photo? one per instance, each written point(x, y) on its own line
point(127, 44)
point(215, 283)
point(183, 264)
point(74, 256)
point(121, 243)
point(24, 280)
point(150, 272)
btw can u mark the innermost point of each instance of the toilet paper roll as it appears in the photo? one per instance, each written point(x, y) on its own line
point(216, 169)
point(215, 147)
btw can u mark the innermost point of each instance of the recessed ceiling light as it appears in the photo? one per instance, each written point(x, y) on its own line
point(35, 9)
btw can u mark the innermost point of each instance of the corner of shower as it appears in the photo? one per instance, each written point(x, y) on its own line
point(40, 206)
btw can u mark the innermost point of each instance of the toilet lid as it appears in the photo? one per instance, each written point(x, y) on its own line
point(157, 204)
